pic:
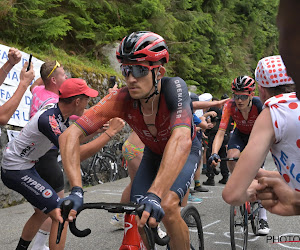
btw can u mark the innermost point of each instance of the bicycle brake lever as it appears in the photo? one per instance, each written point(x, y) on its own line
point(66, 207)
point(151, 233)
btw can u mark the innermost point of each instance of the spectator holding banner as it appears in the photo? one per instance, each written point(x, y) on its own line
point(26, 77)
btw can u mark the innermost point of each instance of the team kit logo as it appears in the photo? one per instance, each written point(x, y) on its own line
point(36, 187)
point(47, 193)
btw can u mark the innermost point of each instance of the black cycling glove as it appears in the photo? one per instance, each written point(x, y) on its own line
point(214, 157)
point(152, 205)
point(76, 196)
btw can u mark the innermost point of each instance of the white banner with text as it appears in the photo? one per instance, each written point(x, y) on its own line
point(7, 89)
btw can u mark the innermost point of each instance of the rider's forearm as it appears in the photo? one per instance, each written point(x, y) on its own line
point(70, 154)
point(175, 155)
point(89, 149)
point(219, 138)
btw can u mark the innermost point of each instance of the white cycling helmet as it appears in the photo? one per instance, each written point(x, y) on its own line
point(206, 97)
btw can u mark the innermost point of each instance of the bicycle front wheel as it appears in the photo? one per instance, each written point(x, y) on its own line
point(255, 206)
point(192, 218)
point(238, 226)
point(105, 169)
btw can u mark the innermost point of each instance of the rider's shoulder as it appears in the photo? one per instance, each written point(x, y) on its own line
point(256, 101)
point(172, 80)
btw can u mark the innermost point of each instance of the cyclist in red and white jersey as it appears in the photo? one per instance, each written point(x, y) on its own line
point(244, 108)
point(159, 110)
point(277, 128)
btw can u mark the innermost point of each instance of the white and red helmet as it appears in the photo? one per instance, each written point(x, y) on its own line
point(143, 46)
point(243, 83)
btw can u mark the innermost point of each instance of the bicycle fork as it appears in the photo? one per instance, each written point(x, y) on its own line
point(132, 239)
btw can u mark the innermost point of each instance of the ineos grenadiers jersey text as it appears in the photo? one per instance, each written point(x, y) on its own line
point(35, 139)
point(285, 113)
point(174, 110)
point(244, 126)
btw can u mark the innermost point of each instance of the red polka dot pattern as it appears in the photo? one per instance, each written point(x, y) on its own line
point(271, 72)
point(286, 178)
point(293, 105)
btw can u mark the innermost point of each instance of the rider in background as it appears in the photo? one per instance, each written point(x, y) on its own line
point(44, 91)
point(35, 139)
point(277, 128)
point(244, 108)
point(159, 110)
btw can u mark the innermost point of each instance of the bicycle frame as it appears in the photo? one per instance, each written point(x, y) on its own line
point(132, 239)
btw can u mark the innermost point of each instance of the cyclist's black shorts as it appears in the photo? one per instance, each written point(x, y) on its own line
point(149, 166)
point(34, 189)
point(48, 168)
point(238, 140)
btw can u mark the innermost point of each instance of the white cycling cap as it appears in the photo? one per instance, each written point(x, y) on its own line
point(206, 97)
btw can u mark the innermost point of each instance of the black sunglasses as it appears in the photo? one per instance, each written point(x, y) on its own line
point(137, 70)
point(242, 97)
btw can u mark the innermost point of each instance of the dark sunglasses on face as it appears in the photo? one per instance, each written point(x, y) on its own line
point(136, 70)
point(242, 97)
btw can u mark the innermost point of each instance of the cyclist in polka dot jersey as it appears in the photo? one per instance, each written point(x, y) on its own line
point(277, 129)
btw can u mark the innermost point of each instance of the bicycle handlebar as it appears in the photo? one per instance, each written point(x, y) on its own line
point(230, 159)
point(151, 233)
point(65, 210)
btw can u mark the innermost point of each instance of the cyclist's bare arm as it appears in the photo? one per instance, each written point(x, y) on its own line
point(204, 104)
point(219, 138)
point(89, 149)
point(70, 154)
point(250, 161)
point(175, 155)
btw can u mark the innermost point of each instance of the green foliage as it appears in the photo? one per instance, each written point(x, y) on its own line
point(210, 41)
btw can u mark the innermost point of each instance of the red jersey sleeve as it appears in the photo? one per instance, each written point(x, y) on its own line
point(109, 107)
point(225, 115)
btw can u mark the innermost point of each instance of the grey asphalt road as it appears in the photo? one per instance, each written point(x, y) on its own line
point(213, 210)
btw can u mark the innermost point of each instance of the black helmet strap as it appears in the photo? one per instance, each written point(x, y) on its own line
point(155, 83)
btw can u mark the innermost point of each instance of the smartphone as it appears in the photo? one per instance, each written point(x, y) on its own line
point(29, 62)
point(112, 81)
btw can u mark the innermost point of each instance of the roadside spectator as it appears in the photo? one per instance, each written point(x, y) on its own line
point(37, 137)
point(8, 108)
point(211, 133)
